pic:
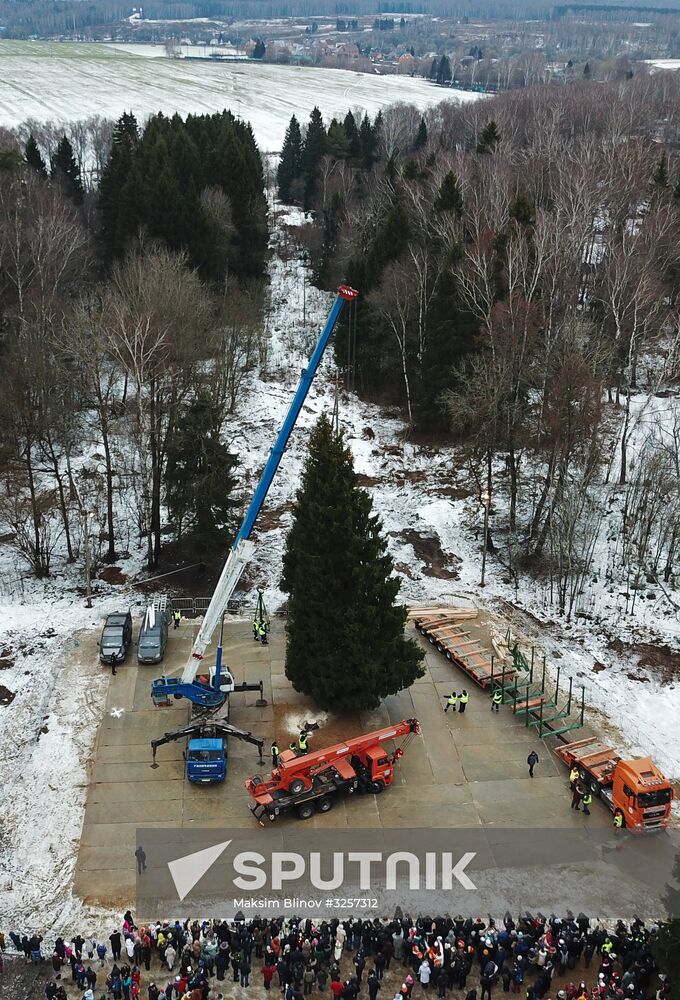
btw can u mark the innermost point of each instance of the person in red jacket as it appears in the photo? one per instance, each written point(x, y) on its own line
point(268, 974)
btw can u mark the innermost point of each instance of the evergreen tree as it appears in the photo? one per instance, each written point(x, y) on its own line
point(421, 136)
point(259, 50)
point(65, 170)
point(314, 150)
point(342, 592)
point(451, 334)
point(33, 157)
point(434, 69)
point(660, 174)
point(199, 477)
point(337, 143)
point(587, 72)
point(367, 141)
point(489, 138)
point(522, 210)
point(444, 73)
point(352, 133)
point(290, 164)
point(449, 197)
point(114, 179)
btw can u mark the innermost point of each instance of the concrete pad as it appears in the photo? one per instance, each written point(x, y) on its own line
point(466, 771)
point(136, 811)
point(138, 772)
point(117, 793)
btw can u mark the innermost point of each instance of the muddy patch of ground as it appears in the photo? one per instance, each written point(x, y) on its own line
point(661, 661)
point(428, 548)
point(6, 696)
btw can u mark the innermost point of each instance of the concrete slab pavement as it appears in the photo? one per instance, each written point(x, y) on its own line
point(467, 771)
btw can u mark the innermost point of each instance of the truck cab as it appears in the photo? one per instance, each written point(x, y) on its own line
point(642, 793)
point(206, 760)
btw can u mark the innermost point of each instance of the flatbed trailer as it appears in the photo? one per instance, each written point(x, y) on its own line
point(456, 643)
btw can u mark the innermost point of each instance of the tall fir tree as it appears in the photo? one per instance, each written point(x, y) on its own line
point(345, 636)
point(290, 164)
point(489, 138)
point(449, 197)
point(314, 150)
point(451, 334)
point(113, 231)
point(64, 170)
point(420, 140)
point(33, 157)
point(199, 477)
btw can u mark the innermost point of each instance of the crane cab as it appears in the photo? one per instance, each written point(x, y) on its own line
point(380, 766)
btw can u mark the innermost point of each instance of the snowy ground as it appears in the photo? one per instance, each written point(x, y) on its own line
point(52, 81)
point(419, 493)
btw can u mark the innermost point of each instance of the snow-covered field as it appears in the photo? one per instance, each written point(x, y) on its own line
point(664, 63)
point(52, 81)
point(419, 491)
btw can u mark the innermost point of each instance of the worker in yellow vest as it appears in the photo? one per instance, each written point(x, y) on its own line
point(451, 702)
point(587, 799)
point(463, 699)
point(618, 819)
point(574, 775)
point(302, 741)
point(275, 754)
point(496, 699)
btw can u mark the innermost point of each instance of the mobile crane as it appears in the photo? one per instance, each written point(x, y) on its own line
point(212, 692)
point(206, 752)
point(305, 782)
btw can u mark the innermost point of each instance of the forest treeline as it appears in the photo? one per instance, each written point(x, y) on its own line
point(49, 18)
point(518, 264)
point(129, 315)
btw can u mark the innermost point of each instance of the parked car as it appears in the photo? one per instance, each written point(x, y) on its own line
point(116, 637)
point(153, 636)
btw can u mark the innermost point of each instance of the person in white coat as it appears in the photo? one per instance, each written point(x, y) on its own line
point(424, 973)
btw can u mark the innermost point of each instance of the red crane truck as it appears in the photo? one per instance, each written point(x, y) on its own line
point(635, 789)
point(304, 783)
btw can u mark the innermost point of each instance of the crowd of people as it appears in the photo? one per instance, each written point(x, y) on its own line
point(378, 958)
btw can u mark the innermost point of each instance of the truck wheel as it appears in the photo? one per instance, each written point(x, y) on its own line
point(305, 811)
point(325, 804)
point(431, 639)
point(376, 787)
point(448, 654)
point(582, 774)
point(297, 786)
point(595, 788)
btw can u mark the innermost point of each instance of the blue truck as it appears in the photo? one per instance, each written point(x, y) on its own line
point(205, 755)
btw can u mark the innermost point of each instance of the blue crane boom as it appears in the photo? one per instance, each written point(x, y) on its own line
point(221, 681)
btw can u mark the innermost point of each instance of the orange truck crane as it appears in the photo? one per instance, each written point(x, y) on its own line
point(308, 782)
point(635, 789)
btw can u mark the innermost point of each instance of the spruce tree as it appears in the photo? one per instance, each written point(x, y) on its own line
point(420, 140)
point(449, 197)
point(660, 173)
point(345, 636)
point(444, 73)
point(199, 477)
point(290, 164)
point(113, 231)
point(314, 149)
point(65, 170)
point(489, 138)
point(451, 334)
point(367, 141)
point(33, 157)
point(352, 133)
